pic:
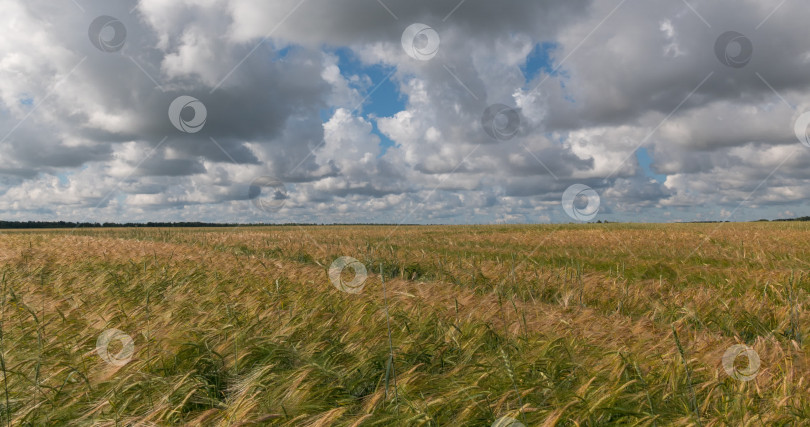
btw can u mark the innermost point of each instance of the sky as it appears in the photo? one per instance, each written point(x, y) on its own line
point(404, 111)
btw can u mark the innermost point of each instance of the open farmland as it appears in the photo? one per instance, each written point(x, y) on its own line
point(549, 325)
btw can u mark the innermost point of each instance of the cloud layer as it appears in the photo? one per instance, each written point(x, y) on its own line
point(591, 91)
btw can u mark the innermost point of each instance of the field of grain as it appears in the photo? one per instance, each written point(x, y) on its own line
point(547, 325)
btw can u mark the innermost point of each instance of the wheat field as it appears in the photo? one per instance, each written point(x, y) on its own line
point(548, 325)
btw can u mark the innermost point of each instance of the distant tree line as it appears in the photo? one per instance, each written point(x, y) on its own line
point(803, 218)
point(67, 224)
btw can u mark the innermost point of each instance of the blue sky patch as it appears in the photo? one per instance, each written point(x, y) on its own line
point(540, 59)
point(383, 96)
point(645, 161)
point(386, 99)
